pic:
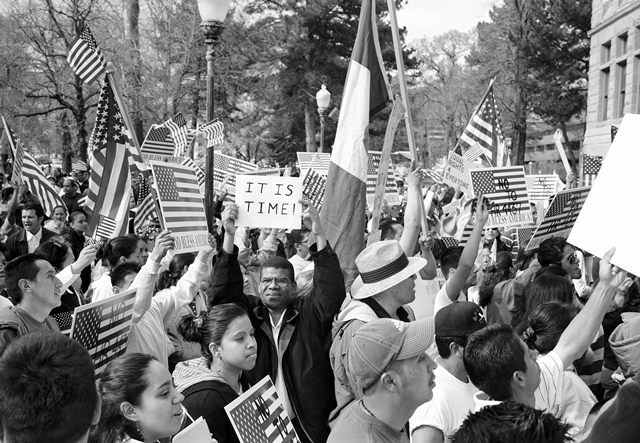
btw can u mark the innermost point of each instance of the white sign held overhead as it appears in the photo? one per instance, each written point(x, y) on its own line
point(269, 202)
point(456, 172)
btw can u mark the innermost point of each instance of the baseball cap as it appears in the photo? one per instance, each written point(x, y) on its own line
point(459, 319)
point(379, 343)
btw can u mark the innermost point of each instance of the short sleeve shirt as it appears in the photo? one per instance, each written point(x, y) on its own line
point(548, 394)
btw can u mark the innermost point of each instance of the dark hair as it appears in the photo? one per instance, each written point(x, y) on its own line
point(115, 248)
point(550, 251)
point(47, 389)
point(512, 422)
point(443, 344)
point(169, 277)
point(34, 206)
point(22, 267)
point(64, 208)
point(120, 272)
point(6, 193)
point(123, 380)
point(494, 274)
point(450, 258)
point(545, 325)
point(279, 263)
point(524, 258)
point(297, 235)
point(74, 216)
point(55, 252)
point(387, 226)
point(491, 357)
point(557, 271)
point(542, 289)
point(210, 326)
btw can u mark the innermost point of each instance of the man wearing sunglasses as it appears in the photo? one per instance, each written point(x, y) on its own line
point(555, 251)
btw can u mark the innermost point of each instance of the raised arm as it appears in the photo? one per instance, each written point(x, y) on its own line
point(430, 271)
point(71, 273)
point(413, 212)
point(583, 328)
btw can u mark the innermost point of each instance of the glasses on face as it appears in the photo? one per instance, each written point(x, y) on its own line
point(572, 260)
point(279, 281)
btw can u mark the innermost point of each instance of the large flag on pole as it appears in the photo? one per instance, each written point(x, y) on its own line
point(110, 182)
point(85, 57)
point(365, 93)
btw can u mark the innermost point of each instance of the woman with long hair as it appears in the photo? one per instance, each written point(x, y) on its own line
point(118, 250)
point(76, 239)
point(544, 288)
point(211, 382)
point(139, 402)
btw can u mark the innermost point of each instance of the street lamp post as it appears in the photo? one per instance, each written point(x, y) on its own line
point(213, 13)
point(323, 97)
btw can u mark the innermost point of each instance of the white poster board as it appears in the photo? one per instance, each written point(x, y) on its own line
point(456, 172)
point(269, 202)
point(609, 216)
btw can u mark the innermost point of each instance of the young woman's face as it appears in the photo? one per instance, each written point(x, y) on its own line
point(144, 251)
point(160, 410)
point(80, 224)
point(238, 346)
point(59, 214)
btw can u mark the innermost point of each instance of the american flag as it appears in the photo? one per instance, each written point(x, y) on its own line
point(188, 161)
point(65, 321)
point(180, 133)
point(113, 152)
point(313, 187)
point(106, 227)
point(320, 161)
point(449, 242)
point(484, 127)
point(32, 175)
point(181, 205)
point(590, 168)
point(560, 216)
point(473, 153)
point(524, 236)
point(541, 187)
point(160, 142)
point(391, 188)
point(146, 208)
point(433, 174)
point(78, 165)
point(214, 131)
point(258, 416)
point(103, 327)
point(85, 57)
point(226, 168)
point(506, 188)
point(614, 132)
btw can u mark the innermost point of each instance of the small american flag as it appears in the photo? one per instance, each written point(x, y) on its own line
point(449, 242)
point(180, 133)
point(313, 187)
point(473, 153)
point(199, 174)
point(524, 236)
point(258, 416)
point(106, 227)
point(590, 168)
point(85, 57)
point(319, 160)
point(160, 142)
point(614, 132)
point(484, 127)
point(103, 327)
point(226, 168)
point(65, 321)
point(560, 216)
point(433, 174)
point(181, 205)
point(146, 208)
point(390, 189)
point(214, 131)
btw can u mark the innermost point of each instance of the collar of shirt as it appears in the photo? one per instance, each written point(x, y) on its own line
point(37, 236)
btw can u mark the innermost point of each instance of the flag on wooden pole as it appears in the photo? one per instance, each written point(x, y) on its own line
point(365, 93)
point(485, 127)
point(85, 57)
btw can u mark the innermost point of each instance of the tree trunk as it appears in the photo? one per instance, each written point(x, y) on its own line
point(66, 142)
point(134, 76)
point(310, 128)
point(80, 115)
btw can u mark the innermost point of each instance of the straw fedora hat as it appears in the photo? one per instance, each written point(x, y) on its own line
point(382, 266)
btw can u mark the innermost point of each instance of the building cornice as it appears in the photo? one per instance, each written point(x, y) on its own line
point(617, 16)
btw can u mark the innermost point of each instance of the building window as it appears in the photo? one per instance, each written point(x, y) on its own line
point(622, 45)
point(550, 147)
point(621, 87)
point(604, 93)
point(540, 148)
point(605, 54)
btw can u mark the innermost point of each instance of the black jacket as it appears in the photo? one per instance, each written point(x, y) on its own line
point(306, 326)
point(17, 243)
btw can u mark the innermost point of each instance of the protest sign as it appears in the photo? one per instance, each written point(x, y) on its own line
point(541, 187)
point(181, 206)
point(313, 187)
point(103, 327)
point(506, 189)
point(608, 217)
point(524, 236)
point(269, 202)
point(259, 416)
point(373, 174)
point(196, 432)
point(560, 216)
point(456, 172)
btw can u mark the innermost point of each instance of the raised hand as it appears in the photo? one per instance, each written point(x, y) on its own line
point(311, 218)
point(609, 273)
point(229, 217)
point(164, 243)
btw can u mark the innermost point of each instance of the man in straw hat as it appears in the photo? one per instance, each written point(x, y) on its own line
point(387, 364)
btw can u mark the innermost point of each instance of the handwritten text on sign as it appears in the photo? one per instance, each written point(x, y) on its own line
point(506, 189)
point(269, 202)
point(456, 172)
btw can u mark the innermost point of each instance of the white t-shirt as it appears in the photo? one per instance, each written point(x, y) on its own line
point(549, 393)
point(442, 299)
point(452, 401)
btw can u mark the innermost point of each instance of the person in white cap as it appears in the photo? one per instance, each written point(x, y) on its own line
point(385, 286)
point(388, 365)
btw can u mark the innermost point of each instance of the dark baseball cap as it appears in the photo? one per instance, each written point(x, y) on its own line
point(459, 319)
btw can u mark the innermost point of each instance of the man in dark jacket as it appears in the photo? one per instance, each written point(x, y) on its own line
point(34, 234)
point(290, 332)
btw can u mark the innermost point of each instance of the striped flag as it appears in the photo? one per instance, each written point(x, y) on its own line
point(32, 175)
point(214, 131)
point(110, 181)
point(433, 174)
point(159, 142)
point(181, 205)
point(473, 153)
point(258, 416)
point(365, 93)
point(560, 216)
point(188, 161)
point(85, 57)
point(541, 187)
point(391, 187)
point(180, 133)
point(320, 161)
point(103, 327)
point(305, 159)
point(106, 227)
point(78, 165)
point(313, 187)
point(17, 150)
point(506, 189)
point(226, 168)
point(146, 208)
point(590, 168)
point(484, 128)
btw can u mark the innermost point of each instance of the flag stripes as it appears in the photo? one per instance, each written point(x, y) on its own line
point(484, 127)
point(85, 57)
point(214, 131)
point(391, 187)
point(179, 131)
point(146, 208)
point(313, 187)
point(106, 227)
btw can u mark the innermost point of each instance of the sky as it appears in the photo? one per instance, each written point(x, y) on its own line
point(428, 18)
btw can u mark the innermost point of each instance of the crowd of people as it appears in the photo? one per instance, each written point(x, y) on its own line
point(433, 342)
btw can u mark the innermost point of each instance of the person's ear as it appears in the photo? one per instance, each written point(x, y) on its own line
point(24, 284)
point(214, 349)
point(116, 290)
point(294, 285)
point(389, 381)
point(456, 350)
point(518, 378)
point(128, 411)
